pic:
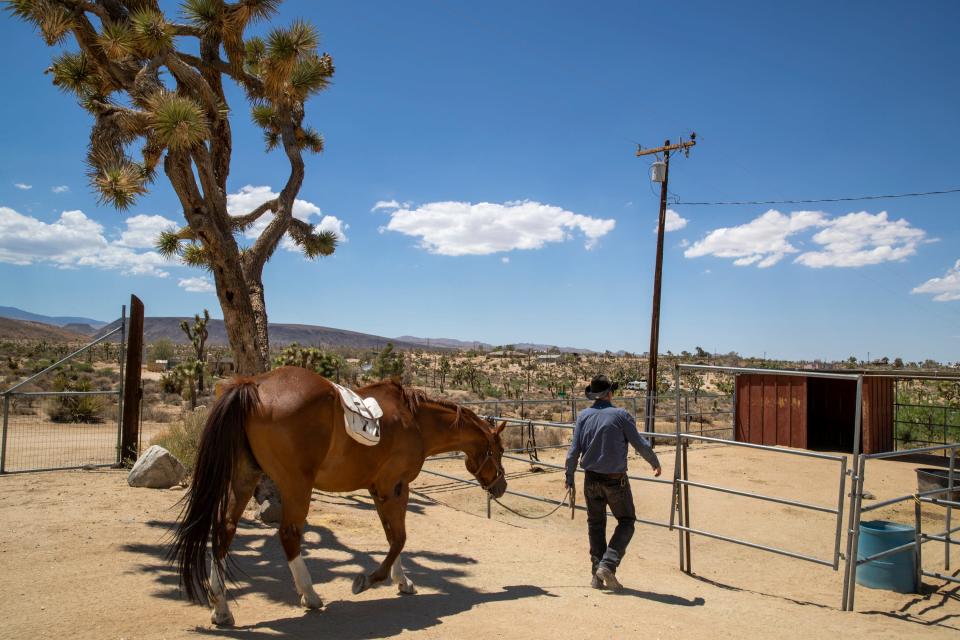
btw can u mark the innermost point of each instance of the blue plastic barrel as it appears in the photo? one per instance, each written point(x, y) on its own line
point(897, 572)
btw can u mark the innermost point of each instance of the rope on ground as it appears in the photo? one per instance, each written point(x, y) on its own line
point(567, 501)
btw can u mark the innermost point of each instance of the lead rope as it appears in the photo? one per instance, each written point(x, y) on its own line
point(568, 499)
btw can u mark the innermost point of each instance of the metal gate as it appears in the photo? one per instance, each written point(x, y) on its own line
point(55, 419)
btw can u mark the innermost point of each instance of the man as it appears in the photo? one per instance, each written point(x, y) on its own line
point(599, 443)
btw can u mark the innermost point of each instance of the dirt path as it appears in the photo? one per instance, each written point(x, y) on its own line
point(82, 556)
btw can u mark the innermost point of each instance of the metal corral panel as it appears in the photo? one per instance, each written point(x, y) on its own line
point(772, 410)
point(877, 414)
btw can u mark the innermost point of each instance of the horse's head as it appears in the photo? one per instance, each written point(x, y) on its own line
point(485, 461)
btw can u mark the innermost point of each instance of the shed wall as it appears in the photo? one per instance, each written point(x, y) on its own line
point(877, 414)
point(772, 410)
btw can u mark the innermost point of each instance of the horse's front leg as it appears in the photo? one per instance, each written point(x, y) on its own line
point(392, 509)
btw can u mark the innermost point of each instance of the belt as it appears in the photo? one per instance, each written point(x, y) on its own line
point(605, 476)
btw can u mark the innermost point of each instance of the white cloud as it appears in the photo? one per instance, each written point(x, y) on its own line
point(73, 240)
point(673, 221)
point(859, 239)
point(464, 228)
point(60, 189)
point(505, 260)
point(385, 204)
point(143, 230)
point(197, 285)
point(945, 289)
point(851, 240)
point(762, 241)
point(250, 197)
point(22, 186)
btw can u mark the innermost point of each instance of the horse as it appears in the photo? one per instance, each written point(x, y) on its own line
point(289, 424)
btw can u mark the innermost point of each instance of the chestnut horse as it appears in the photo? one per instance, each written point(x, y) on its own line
point(289, 425)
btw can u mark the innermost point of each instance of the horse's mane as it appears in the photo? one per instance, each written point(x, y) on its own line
point(414, 398)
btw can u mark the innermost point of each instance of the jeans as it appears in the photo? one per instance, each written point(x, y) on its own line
point(601, 491)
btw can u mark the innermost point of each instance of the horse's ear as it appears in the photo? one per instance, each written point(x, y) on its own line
point(500, 428)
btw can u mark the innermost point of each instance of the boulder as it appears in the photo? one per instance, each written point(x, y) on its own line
point(267, 496)
point(157, 468)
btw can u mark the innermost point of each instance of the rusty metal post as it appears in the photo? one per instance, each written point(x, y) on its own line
point(131, 388)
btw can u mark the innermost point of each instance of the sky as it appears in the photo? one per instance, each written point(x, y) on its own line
point(480, 171)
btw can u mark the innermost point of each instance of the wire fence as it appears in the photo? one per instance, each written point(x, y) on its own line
point(59, 430)
point(67, 427)
point(926, 413)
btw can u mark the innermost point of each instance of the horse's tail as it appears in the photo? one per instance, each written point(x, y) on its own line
point(223, 442)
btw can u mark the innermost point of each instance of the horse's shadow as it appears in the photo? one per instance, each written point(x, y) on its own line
point(383, 617)
point(259, 566)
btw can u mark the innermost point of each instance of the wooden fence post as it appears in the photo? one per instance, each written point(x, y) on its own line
point(130, 431)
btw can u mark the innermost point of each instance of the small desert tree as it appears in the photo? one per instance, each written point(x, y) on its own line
point(148, 79)
point(198, 334)
point(388, 364)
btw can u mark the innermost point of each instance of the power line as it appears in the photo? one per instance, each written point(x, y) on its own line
point(813, 200)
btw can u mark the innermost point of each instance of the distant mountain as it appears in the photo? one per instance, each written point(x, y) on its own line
point(166, 328)
point(450, 343)
point(81, 327)
point(59, 321)
point(28, 330)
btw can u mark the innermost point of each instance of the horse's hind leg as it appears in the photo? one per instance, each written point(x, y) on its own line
point(392, 509)
point(245, 478)
point(295, 498)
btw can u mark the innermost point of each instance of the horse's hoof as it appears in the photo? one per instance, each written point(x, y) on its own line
point(361, 583)
point(406, 588)
point(222, 619)
point(311, 601)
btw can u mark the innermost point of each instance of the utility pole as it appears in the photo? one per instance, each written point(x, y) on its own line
point(656, 176)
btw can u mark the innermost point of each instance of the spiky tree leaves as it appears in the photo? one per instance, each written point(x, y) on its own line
point(74, 73)
point(144, 89)
point(177, 121)
point(151, 32)
point(117, 40)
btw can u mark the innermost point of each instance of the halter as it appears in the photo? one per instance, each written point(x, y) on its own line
point(496, 478)
point(487, 459)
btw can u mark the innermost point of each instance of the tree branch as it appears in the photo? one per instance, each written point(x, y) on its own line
point(192, 79)
point(252, 84)
point(242, 222)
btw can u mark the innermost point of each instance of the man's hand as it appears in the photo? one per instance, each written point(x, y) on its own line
point(656, 471)
point(568, 484)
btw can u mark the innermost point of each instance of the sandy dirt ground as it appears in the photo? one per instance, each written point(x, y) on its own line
point(83, 557)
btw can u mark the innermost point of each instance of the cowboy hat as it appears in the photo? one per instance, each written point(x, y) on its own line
point(599, 387)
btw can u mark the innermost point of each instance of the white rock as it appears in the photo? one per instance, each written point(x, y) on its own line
point(157, 468)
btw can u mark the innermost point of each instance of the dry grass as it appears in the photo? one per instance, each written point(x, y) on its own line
point(182, 438)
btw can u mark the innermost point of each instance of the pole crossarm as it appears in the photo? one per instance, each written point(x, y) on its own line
point(664, 148)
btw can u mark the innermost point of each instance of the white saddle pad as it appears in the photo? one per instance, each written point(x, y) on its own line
point(361, 416)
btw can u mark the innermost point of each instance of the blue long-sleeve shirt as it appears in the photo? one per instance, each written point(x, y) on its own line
point(600, 440)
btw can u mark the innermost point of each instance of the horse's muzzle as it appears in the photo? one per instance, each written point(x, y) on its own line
point(498, 488)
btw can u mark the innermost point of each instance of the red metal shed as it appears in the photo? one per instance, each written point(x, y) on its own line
point(808, 412)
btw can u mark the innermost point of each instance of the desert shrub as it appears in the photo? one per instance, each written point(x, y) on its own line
point(151, 412)
point(171, 382)
point(71, 408)
point(182, 438)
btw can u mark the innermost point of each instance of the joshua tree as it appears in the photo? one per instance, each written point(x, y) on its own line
point(135, 72)
point(197, 334)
